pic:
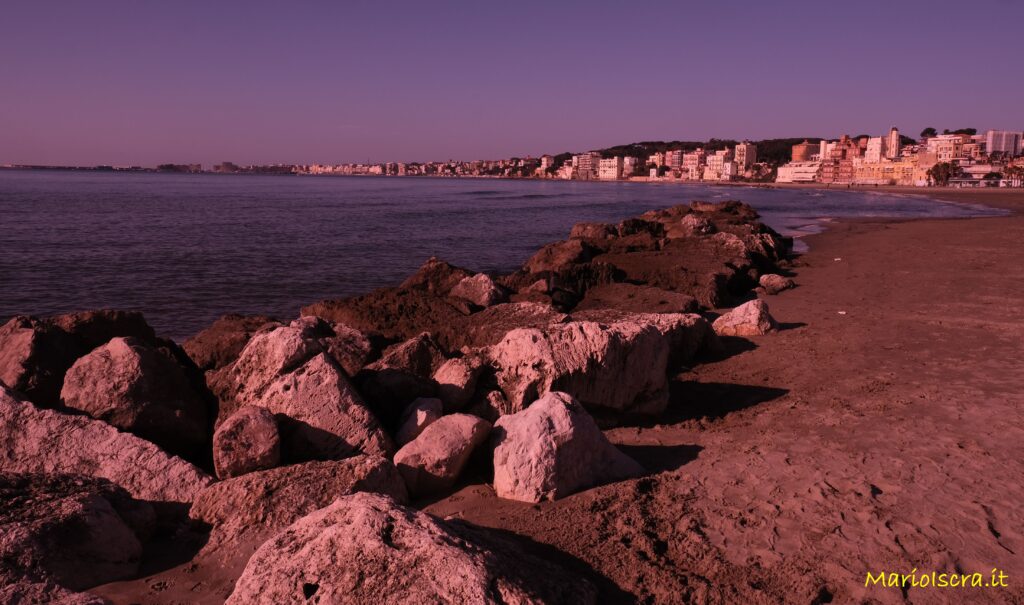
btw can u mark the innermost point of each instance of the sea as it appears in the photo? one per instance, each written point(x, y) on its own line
point(186, 249)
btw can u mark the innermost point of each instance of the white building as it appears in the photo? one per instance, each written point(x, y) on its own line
point(892, 144)
point(746, 155)
point(1003, 141)
point(876, 150)
point(798, 172)
point(610, 169)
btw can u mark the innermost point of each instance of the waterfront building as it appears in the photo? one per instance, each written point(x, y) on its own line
point(746, 155)
point(876, 150)
point(674, 160)
point(893, 144)
point(804, 152)
point(1004, 141)
point(947, 147)
point(610, 169)
point(798, 172)
point(630, 166)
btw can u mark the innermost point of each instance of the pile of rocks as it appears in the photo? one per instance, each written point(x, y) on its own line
point(313, 436)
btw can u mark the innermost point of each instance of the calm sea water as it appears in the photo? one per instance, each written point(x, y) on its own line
point(185, 249)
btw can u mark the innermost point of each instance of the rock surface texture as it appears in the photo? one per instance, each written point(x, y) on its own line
point(553, 449)
point(46, 441)
point(433, 461)
point(365, 548)
point(247, 441)
point(749, 319)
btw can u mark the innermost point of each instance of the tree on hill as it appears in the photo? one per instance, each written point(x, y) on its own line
point(968, 131)
point(928, 133)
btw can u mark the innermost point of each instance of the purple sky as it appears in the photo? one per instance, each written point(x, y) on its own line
point(129, 82)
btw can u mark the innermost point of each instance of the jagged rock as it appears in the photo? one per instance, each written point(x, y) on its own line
point(34, 355)
point(489, 326)
point(432, 462)
point(491, 406)
point(319, 413)
point(633, 226)
point(416, 417)
point(94, 328)
point(456, 381)
point(618, 368)
point(693, 224)
point(687, 334)
point(136, 388)
point(394, 313)
point(638, 299)
point(592, 231)
point(220, 344)
point(559, 255)
point(749, 319)
point(73, 530)
point(480, 290)
point(267, 501)
point(436, 277)
point(402, 374)
point(26, 592)
point(553, 449)
point(45, 441)
point(395, 554)
point(774, 283)
point(247, 441)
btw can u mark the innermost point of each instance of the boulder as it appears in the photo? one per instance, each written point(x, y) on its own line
point(28, 592)
point(270, 500)
point(559, 255)
point(491, 406)
point(615, 369)
point(220, 344)
point(247, 441)
point(436, 277)
point(416, 417)
point(456, 381)
point(693, 224)
point(319, 413)
point(94, 328)
point(490, 325)
point(402, 374)
point(635, 298)
point(687, 334)
point(773, 283)
point(34, 355)
point(394, 313)
point(365, 548)
point(73, 530)
point(597, 231)
point(749, 319)
point(45, 441)
point(480, 290)
point(553, 449)
point(138, 389)
point(432, 462)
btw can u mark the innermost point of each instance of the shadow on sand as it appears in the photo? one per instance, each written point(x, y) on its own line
point(690, 400)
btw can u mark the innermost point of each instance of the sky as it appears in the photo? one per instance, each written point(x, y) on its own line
point(144, 83)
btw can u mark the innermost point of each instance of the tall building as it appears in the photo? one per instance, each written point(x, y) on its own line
point(876, 150)
point(586, 165)
point(892, 144)
point(1003, 141)
point(630, 166)
point(609, 169)
point(745, 154)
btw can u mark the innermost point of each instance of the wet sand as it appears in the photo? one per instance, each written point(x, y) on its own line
point(881, 430)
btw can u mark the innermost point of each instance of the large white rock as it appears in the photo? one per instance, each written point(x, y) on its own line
point(480, 290)
point(456, 381)
point(44, 441)
point(620, 367)
point(432, 462)
point(552, 449)
point(365, 548)
point(320, 414)
point(749, 319)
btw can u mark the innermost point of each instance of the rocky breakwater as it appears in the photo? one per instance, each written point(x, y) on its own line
point(295, 453)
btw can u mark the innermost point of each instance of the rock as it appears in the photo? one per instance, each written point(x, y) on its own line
point(74, 530)
point(270, 500)
point(436, 277)
point(559, 255)
point(618, 369)
point(490, 325)
point(638, 299)
point(394, 554)
point(693, 224)
point(352, 349)
point(491, 406)
point(432, 462)
point(633, 226)
point(749, 319)
point(687, 334)
point(480, 290)
point(456, 381)
point(592, 231)
point(553, 449)
point(135, 388)
point(94, 328)
point(247, 441)
point(394, 313)
point(416, 417)
point(774, 283)
point(34, 355)
point(319, 413)
point(402, 374)
point(45, 593)
point(220, 344)
point(45, 441)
